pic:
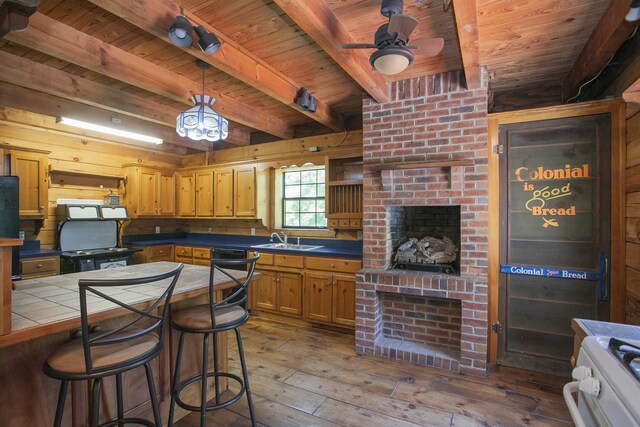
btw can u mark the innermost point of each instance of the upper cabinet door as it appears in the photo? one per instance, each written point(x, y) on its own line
point(223, 191)
point(186, 194)
point(167, 194)
point(204, 193)
point(31, 169)
point(148, 193)
point(245, 192)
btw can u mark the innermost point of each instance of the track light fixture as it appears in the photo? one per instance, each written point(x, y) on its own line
point(180, 34)
point(305, 100)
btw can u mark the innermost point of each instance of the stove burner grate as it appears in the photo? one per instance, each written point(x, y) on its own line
point(627, 354)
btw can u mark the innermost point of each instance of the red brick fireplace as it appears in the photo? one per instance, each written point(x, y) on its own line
point(422, 317)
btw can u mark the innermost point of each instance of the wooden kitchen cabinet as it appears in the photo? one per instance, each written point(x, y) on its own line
point(186, 203)
point(244, 191)
point(195, 193)
point(330, 290)
point(153, 254)
point(30, 166)
point(279, 289)
point(149, 191)
point(193, 255)
point(39, 267)
point(343, 192)
point(223, 191)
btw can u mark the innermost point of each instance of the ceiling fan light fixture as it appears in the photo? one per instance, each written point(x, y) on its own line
point(391, 60)
point(208, 42)
point(180, 32)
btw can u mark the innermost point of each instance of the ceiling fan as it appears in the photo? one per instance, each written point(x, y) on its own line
point(393, 54)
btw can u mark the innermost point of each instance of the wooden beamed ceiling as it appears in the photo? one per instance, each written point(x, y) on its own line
point(114, 58)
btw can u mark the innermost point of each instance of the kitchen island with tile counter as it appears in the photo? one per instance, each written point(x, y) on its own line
point(46, 315)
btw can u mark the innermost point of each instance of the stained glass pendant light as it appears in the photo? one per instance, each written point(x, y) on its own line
point(201, 121)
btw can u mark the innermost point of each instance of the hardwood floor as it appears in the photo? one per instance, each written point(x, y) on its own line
point(302, 376)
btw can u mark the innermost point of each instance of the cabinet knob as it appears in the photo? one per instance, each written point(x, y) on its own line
point(41, 208)
point(39, 266)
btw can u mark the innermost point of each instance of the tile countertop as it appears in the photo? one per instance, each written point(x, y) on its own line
point(330, 247)
point(39, 304)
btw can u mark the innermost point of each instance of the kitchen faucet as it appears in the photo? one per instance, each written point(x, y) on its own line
point(279, 238)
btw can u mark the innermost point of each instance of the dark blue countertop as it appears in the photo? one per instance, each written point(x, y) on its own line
point(31, 249)
point(330, 247)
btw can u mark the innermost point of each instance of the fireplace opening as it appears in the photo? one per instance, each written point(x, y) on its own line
point(424, 238)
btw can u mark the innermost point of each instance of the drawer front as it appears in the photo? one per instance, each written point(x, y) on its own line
point(163, 252)
point(265, 258)
point(355, 223)
point(333, 223)
point(184, 251)
point(202, 253)
point(295, 261)
point(334, 264)
point(44, 266)
point(343, 223)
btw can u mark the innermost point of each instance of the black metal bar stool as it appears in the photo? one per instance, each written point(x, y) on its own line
point(210, 319)
point(97, 355)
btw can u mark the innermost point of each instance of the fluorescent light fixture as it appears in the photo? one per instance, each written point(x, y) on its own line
point(108, 130)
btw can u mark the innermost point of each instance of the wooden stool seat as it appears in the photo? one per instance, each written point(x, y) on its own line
point(68, 360)
point(199, 318)
point(134, 343)
point(227, 314)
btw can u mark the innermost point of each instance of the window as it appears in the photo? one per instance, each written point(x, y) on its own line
point(303, 201)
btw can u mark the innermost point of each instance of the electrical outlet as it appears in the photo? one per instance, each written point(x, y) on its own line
point(21, 235)
point(359, 235)
point(253, 231)
point(209, 230)
point(157, 229)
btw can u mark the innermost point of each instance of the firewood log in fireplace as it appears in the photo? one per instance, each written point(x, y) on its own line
point(428, 250)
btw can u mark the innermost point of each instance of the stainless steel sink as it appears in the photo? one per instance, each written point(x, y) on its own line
point(288, 246)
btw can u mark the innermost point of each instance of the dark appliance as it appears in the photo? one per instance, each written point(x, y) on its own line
point(10, 218)
point(89, 238)
point(224, 253)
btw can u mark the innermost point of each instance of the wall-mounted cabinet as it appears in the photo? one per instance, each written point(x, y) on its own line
point(343, 195)
point(235, 192)
point(195, 193)
point(149, 191)
point(31, 167)
point(223, 193)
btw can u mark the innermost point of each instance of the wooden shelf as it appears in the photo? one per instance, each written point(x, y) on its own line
point(83, 172)
point(421, 165)
point(345, 182)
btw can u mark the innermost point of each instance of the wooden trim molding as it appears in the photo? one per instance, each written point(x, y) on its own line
point(616, 108)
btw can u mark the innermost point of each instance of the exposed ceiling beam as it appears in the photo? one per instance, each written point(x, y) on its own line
point(322, 25)
point(61, 41)
point(466, 16)
point(632, 94)
point(23, 72)
point(612, 30)
point(155, 17)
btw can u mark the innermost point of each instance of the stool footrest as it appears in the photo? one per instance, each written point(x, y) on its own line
point(221, 405)
point(139, 421)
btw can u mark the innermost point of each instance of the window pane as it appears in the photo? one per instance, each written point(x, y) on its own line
point(291, 220)
point(293, 191)
point(320, 190)
point(308, 219)
point(292, 206)
point(291, 178)
point(308, 190)
point(308, 177)
point(321, 221)
point(321, 176)
point(308, 205)
point(320, 205)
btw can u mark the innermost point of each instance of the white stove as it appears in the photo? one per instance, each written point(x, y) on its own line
point(607, 383)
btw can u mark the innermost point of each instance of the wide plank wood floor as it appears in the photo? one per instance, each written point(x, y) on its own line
point(304, 376)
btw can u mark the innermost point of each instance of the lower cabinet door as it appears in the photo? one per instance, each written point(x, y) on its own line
point(344, 300)
point(318, 297)
point(265, 291)
point(290, 293)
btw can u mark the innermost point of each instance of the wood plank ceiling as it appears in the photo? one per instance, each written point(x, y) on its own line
point(115, 55)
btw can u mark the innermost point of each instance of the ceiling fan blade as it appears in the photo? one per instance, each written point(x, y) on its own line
point(358, 45)
point(427, 46)
point(403, 25)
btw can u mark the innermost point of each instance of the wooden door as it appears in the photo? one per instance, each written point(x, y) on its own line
point(223, 194)
point(264, 291)
point(244, 192)
point(554, 237)
point(318, 296)
point(33, 184)
point(167, 194)
point(204, 193)
point(290, 293)
point(344, 300)
point(148, 192)
point(186, 194)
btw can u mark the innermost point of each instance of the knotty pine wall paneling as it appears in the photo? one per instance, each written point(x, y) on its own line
point(633, 216)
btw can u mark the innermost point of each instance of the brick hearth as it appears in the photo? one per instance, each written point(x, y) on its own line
point(427, 119)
